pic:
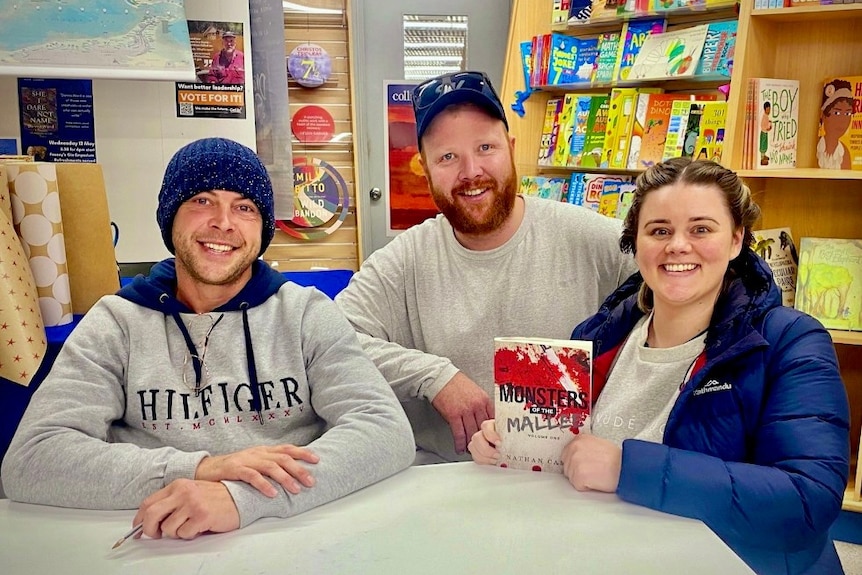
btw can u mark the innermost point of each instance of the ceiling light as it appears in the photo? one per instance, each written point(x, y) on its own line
point(294, 7)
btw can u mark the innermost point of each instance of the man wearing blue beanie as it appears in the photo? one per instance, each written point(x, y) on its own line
point(212, 392)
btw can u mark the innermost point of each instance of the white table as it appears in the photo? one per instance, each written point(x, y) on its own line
point(446, 519)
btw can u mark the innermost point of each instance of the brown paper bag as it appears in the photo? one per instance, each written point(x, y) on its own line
point(87, 226)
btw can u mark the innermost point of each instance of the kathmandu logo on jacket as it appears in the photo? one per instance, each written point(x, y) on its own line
point(712, 386)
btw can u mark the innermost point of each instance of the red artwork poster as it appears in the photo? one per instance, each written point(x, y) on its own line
point(408, 197)
point(542, 398)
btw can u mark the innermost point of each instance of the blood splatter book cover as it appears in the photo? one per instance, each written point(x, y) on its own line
point(542, 399)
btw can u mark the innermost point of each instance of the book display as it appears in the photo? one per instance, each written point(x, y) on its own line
point(542, 398)
point(776, 43)
point(776, 246)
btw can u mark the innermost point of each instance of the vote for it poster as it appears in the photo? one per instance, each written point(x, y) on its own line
point(219, 57)
point(408, 198)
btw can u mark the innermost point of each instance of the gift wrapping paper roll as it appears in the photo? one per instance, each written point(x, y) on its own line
point(37, 219)
point(22, 335)
point(5, 202)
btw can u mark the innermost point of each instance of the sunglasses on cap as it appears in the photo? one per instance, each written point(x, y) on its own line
point(429, 91)
point(433, 96)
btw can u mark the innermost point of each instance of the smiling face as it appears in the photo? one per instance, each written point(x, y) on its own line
point(685, 240)
point(467, 157)
point(217, 236)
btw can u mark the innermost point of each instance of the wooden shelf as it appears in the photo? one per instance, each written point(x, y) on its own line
point(809, 13)
point(706, 82)
point(803, 173)
point(680, 16)
point(852, 501)
point(846, 337)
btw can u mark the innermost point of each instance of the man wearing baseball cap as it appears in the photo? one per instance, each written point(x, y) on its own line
point(212, 392)
point(228, 64)
point(428, 305)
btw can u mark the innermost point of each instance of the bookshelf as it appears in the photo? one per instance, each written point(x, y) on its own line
point(806, 43)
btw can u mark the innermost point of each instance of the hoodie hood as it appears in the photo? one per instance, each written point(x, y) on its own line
point(157, 291)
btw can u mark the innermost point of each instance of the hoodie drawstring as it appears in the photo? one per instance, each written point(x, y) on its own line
point(252, 367)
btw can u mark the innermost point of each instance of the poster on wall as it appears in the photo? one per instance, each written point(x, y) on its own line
point(408, 198)
point(131, 40)
point(56, 119)
point(321, 200)
point(219, 92)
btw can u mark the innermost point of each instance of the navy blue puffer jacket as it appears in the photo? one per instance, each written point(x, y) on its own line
point(757, 444)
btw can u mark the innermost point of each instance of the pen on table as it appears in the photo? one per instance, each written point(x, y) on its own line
point(136, 529)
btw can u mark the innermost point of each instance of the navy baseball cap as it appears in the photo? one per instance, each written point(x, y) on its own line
point(435, 95)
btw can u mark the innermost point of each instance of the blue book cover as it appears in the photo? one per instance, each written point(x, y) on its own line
point(563, 60)
point(718, 48)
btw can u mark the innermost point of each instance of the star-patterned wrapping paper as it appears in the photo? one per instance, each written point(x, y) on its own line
point(22, 337)
point(5, 202)
point(38, 223)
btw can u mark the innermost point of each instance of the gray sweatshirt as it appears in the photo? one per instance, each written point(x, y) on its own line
point(426, 307)
point(115, 421)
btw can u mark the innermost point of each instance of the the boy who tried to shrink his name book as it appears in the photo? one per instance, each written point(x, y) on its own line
point(542, 399)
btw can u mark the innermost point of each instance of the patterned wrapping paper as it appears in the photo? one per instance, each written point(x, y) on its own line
point(5, 202)
point(22, 337)
point(38, 222)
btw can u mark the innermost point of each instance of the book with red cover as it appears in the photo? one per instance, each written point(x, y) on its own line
point(542, 399)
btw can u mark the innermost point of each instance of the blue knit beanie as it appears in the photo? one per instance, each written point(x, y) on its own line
point(215, 164)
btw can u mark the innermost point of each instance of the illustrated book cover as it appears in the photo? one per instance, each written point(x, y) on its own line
point(542, 398)
point(548, 188)
point(839, 138)
point(673, 54)
point(632, 37)
point(776, 247)
point(654, 127)
point(775, 122)
point(829, 281)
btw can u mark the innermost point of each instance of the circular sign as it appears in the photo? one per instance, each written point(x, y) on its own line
point(309, 65)
point(312, 124)
point(319, 199)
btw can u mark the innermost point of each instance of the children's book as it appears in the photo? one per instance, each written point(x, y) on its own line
point(627, 194)
point(550, 131)
point(692, 130)
point(632, 37)
point(677, 123)
point(580, 11)
point(839, 138)
point(673, 54)
point(776, 247)
point(605, 10)
point(710, 139)
point(594, 140)
point(829, 282)
point(582, 107)
point(777, 122)
point(655, 126)
point(609, 198)
point(526, 61)
point(606, 61)
point(718, 48)
point(621, 119)
point(588, 53)
point(542, 399)
point(566, 120)
point(560, 12)
point(562, 63)
point(543, 187)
